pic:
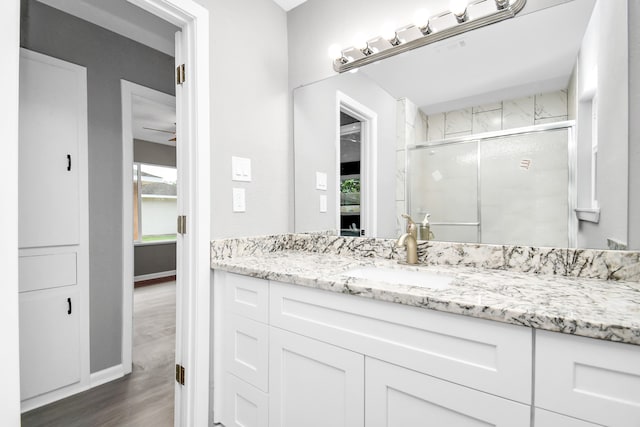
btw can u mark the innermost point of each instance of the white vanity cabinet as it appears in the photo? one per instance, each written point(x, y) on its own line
point(593, 380)
point(336, 359)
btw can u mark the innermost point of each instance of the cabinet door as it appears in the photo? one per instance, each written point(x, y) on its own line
point(53, 128)
point(244, 405)
point(551, 419)
point(314, 384)
point(399, 397)
point(49, 340)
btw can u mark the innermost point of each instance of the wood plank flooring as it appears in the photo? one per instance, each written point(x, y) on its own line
point(144, 398)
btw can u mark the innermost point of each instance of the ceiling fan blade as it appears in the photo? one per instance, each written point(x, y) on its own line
point(159, 130)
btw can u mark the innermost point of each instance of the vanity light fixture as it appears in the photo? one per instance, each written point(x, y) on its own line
point(335, 53)
point(364, 52)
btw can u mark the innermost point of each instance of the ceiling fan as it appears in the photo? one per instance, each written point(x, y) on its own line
point(174, 139)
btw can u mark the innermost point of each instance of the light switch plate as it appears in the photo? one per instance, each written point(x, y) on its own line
point(240, 169)
point(323, 203)
point(239, 204)
point(321, 181)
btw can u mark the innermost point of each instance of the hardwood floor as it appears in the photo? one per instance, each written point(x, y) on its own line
point(143, 398)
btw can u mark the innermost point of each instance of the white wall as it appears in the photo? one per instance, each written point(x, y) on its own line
point(9, 45)
point(634, 125)
point(249, 115)
point(605, 49)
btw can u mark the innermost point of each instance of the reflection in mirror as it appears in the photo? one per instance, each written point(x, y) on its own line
point(500, 136)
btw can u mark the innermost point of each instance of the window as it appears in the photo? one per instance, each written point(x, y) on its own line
point(155, 203)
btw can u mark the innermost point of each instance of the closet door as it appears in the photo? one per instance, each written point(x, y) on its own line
point(49, 340)
point(52, 128)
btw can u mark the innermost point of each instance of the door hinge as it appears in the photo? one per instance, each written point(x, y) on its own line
point(180, 374)
point(182, 224)
point(180, 74)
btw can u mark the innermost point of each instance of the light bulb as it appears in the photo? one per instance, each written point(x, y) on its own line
point(421, 18)
point(459, 9)
point(334, 52)
point(360, 42)
point(389, 31)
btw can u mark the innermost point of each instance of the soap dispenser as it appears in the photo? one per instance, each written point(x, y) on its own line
point(412, 228)
point(425, 229)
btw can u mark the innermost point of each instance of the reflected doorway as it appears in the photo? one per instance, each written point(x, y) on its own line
point(350, 161)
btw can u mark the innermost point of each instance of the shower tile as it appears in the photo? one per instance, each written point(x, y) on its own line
point(400, 209)
point(518, 112)
point(411, 112)
point(435, 127)
point(551, 104)
point(487, 121)
point(487, 107)
point(420, 127)
point(400, 174)
point(458, 121)
point(551, 120)
point(457, 134)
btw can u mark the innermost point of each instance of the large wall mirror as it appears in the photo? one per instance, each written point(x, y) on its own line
point(514, 133)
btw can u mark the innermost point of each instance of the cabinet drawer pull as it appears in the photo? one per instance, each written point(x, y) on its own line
point(69, 302)
point(68, 162)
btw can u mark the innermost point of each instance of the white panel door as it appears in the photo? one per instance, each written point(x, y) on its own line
point(49, 340)
point(399, 397)
point(314, 384)
point(53, 126)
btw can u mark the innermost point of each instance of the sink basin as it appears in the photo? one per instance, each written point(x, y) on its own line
point(424, 279)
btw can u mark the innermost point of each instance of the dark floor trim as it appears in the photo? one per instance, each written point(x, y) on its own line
point(155, 281)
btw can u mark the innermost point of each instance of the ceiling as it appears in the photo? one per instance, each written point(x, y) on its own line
point(287, 5)
point(122, 18)
point(533, 53)
point(153, 115)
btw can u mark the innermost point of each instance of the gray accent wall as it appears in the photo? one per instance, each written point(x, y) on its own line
point(154, 153)
point(154, 258)
point(108, 58)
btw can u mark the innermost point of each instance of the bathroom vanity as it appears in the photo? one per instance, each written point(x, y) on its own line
point(309, 336)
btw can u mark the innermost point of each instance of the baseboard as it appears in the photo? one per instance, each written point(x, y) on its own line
point(154, 276)
point(106, 375)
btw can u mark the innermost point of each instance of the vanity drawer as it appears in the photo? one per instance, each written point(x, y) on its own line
point(47, 271)
point(248, 296)
point(590, 379)
point(485, 355)
point(247, 350)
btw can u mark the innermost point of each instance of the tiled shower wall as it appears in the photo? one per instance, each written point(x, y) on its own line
point(414, 127)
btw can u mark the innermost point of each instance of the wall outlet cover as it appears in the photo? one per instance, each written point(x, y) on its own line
point(239, 204)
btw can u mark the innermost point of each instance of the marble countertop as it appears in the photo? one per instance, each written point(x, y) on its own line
point(603, 309)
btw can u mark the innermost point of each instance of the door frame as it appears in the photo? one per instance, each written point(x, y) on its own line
point(128, 91)
point(368, 161)
point(193, 162)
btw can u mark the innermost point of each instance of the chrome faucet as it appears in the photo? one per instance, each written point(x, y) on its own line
point(411, 244)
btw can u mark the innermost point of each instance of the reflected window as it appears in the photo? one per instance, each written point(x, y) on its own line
point(155, 203)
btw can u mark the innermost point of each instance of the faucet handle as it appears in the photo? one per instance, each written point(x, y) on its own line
point(412, 228)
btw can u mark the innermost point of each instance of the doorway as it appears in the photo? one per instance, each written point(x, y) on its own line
point(350, 160)
point(193, 285)
point(356, 168)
